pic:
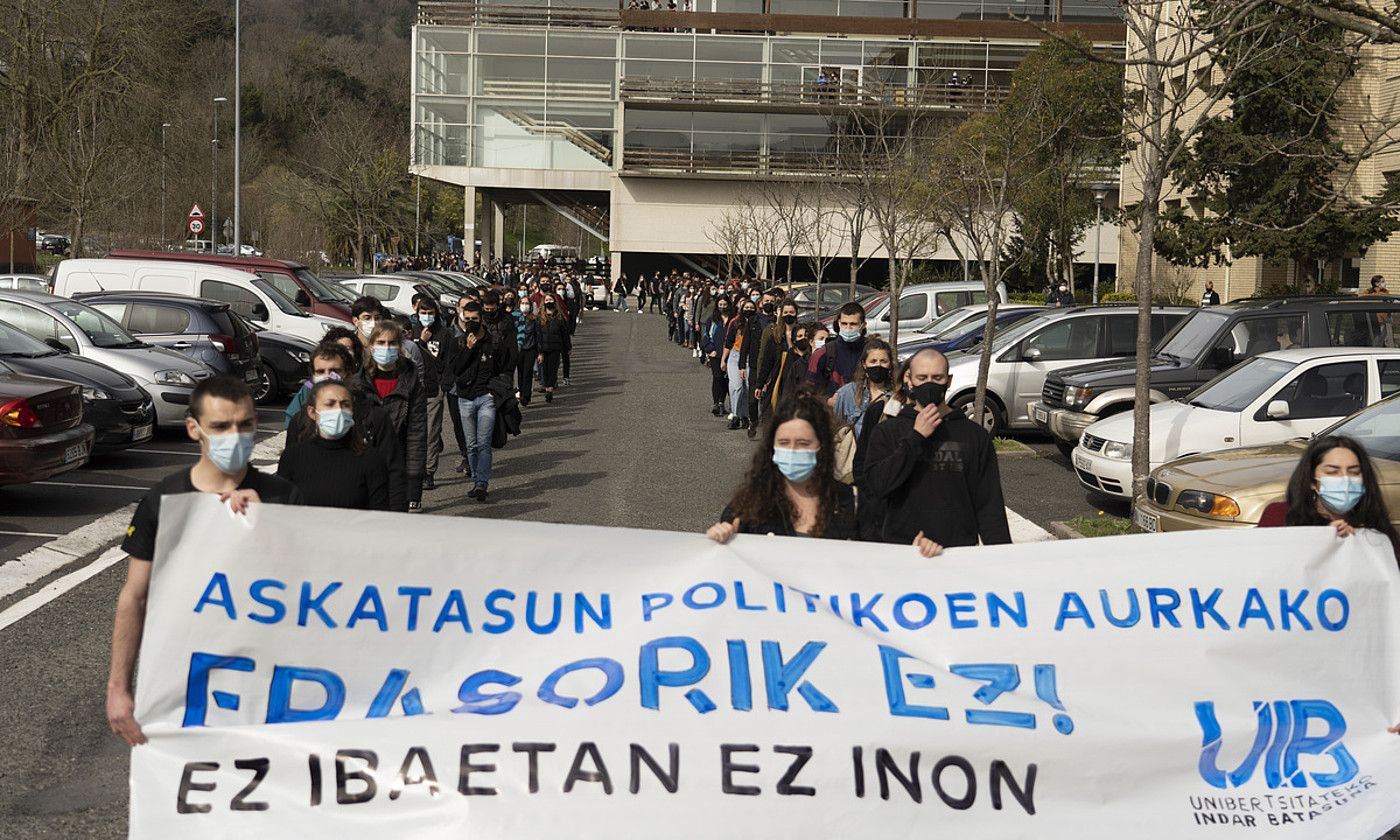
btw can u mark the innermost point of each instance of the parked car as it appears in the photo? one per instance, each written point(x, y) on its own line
point(967, 332)
point(1230, 489)
point(833, 297)
point(1204, 345)
point(1057, 338)
point(920, 306)
point(394, 291)
point(55, 243)
point(24, 282)
point(250, 295)
point(285, 364)
point(204, 330)
point(73, 327)
point(295, 281)
point(120, 411)
point(42, 432)
point(869, 301)
point(1270, 398)
point(595, 292)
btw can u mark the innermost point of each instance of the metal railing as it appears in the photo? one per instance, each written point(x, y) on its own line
point(724, 91)
point(727, 161)
point(459, 13)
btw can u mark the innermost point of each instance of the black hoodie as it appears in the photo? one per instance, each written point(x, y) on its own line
point(946, 485)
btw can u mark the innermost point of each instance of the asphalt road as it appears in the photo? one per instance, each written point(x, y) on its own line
point(629, 443)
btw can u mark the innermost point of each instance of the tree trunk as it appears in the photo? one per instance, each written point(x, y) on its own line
point(1142, 287)
point(896, 284)
point(990, 278)
point(857, 234)
point(79, 232)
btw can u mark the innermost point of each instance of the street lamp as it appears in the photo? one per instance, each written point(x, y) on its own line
point(1100, 193)
point(214, 182)
point(164, 242)
point(237, 130)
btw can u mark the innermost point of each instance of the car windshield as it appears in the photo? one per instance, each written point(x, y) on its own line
point(321, 289)
point(21, 344)
point(1235, 389)
point(947, 321)
point(101, 331)
point(1377, 427)
point(1193, 335)
point(279, 299)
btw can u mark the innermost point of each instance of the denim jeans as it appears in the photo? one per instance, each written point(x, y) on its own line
point(478, 425)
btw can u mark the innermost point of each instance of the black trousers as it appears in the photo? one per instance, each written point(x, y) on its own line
point(525, 375)
point(551, 368)
point(719, 381)
point(457, 425)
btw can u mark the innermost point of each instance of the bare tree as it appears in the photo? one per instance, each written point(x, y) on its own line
point(819, 216)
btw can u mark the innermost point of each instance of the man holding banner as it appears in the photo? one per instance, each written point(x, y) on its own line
point(223, 418)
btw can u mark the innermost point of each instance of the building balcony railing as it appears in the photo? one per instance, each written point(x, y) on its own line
point(460, 13)
point(726, 161)
point(722, 93)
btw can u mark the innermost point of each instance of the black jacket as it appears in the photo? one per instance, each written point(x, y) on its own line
point(841, 527)
point(471, 368)
point(554, 336)
point(503, 341)
point(379, 434)
point(431, 350)
point(408, 414)
point(835, 364)
point(946, 485)
point(330, 473)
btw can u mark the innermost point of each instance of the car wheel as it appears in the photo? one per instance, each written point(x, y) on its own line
point(266, 390)
point(992, 419)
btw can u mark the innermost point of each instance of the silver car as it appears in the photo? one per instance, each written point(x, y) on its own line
point(72, 327)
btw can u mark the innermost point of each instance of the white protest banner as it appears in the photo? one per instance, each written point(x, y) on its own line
point(322, 673)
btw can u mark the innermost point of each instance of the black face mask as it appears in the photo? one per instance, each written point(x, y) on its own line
point(493, 315)
point(789, 319)
point(878, 375)
point(929, 393)
point(471, 325)
point(768, 308)
point(748, 313)
point(802, 345)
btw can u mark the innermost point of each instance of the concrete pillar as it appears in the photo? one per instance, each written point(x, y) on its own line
point(487, 232)
point(469, 224)
point(498, 231)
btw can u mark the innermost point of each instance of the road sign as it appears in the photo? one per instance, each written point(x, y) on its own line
point(196, 227)
point(196, 212)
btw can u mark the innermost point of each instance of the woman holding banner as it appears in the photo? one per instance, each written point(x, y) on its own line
point(1334, 484)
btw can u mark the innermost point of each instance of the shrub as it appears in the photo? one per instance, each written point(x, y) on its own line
point(1118, 297)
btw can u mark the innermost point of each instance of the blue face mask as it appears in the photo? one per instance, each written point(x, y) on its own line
point(230, 452)
point(796, 464)
point(427, 320)
point(1340, 492)
point(384, 356)
point(334, 423)
point(850, 335)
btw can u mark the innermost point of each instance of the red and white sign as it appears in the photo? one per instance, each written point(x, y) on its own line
point(196, 212)
point(196, 226)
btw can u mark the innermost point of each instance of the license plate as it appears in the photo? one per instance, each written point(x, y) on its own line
point(145, 432)
point(1144, 520)
point(1082, 463)
point(76, 452)
point(251, 375)
point(1042, 416)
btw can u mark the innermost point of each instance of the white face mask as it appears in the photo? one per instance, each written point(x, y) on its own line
point(367, 327)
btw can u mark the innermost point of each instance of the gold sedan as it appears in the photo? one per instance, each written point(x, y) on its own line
point(1231, 488)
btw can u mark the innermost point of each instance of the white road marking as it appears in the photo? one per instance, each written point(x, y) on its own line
point(28, 605)
point(138, 489)
point(194, 453)
point(51, 556)
point(30, 534)
point(1023, 530)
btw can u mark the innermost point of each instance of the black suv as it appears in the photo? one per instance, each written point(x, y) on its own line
point(205, 330)
point(1209, 342)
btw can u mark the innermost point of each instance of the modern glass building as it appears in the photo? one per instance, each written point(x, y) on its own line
point(643, 126)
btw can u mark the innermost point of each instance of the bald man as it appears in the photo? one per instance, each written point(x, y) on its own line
point(933, 468)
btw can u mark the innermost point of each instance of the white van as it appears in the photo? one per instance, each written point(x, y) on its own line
point(249, 295)
point(921, 305)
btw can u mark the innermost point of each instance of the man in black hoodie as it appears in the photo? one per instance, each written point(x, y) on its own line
point(470, 362)
point(935, 470)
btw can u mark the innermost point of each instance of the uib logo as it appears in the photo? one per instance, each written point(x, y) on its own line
point(1281, 739)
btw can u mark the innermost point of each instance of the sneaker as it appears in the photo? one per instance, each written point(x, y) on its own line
point(463, 467)
point(735, 424)
point(718, 409)
point(753, 430)
point(549, 396)
point(568, 381)
point(415, 507)
point(428, 483)
point(481, 492)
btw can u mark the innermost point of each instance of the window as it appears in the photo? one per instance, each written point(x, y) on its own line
point(1072, 338)
point(239, 299)
point(115, 311)
point(1326, 391)
point(1354, 328)
point(1249, 338)
point(280, 282)
point(149, 318)
point(913, 307)
point(101, 330)
point(948, 301)
point(1390, 377)
point(38, 324)
point(381, 292)
point(1122, 335)
point(1234, 391)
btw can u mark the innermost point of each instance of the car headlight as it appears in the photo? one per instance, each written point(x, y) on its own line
point(173, 377)
point(95, 394)
point(300, 356)
point(1078, 396)
point(1210, 504)
point(1114, 449)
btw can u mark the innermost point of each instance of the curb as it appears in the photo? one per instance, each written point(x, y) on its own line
point(1011, 448)
point(1062, 531)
